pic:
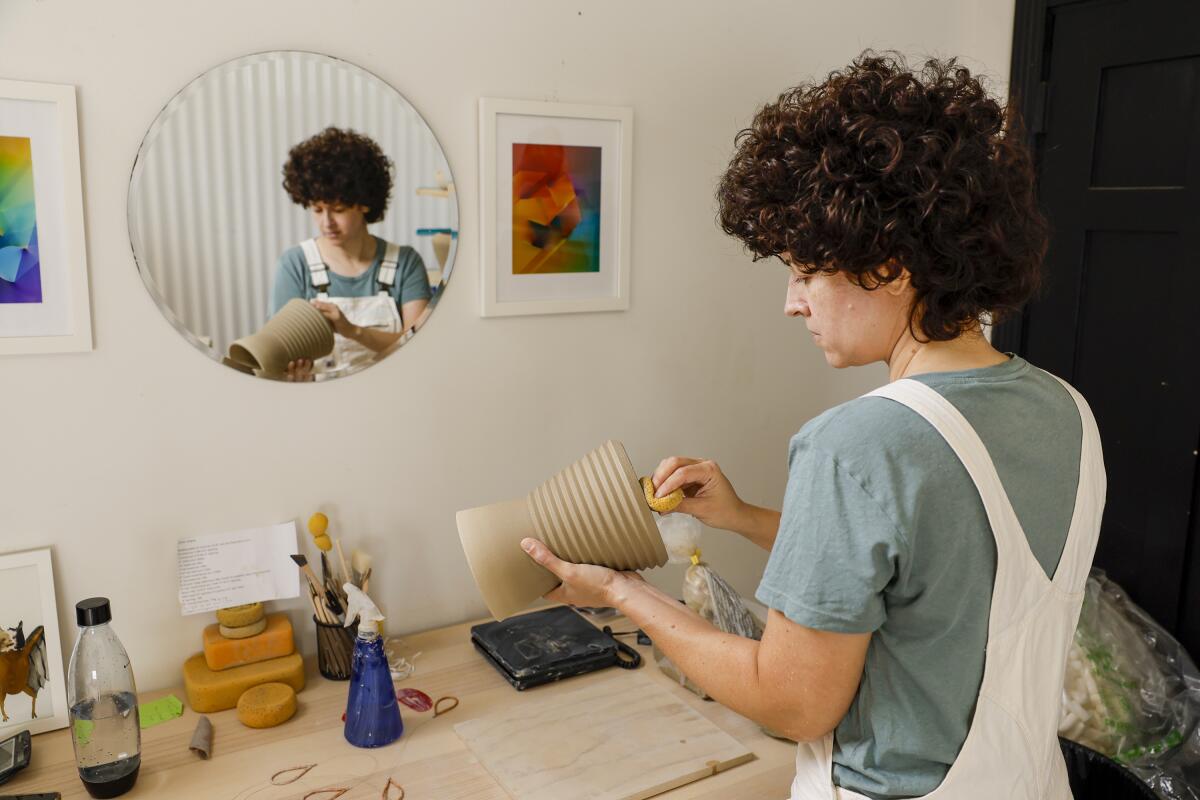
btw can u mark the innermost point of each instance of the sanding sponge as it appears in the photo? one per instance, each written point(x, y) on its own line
point(660, 504)
point(239, 616)
point(209, 691)
point(243, 631)
point(267, 705)
point(221, 652)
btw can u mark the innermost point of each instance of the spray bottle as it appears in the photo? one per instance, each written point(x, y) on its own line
point(372, 713)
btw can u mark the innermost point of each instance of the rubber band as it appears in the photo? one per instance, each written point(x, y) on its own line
point(302, 769)
point(387, 791)
point(437, 706)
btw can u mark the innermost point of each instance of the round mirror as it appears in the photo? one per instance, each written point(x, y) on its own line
point(293, 216)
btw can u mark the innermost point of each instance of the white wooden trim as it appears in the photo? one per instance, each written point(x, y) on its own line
point(489, 109)
point(80, 338)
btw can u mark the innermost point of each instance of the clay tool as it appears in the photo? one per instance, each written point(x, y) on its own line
point(335, 605)
point(323, 613)
point(341, 560)
point(361, 562)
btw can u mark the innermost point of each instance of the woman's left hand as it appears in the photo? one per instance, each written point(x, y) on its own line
point(336, 318)
point(582, 584)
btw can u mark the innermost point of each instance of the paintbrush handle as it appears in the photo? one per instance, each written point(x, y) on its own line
point(337, 543)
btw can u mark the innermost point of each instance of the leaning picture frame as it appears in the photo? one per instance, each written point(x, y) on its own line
point(33, 691)
point(44, 302)
point(555, 189)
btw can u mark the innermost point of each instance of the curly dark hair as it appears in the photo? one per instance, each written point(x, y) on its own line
point(339, 166)
point(880, 168)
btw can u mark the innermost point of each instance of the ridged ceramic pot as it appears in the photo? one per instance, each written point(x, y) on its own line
point(298, 331)
point(593, 512)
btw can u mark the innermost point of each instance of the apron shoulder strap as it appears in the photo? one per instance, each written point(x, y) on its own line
point(1014, 559)
point(318, 273)
point(387, 270)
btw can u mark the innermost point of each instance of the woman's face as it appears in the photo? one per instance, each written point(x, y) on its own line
point(338, 221)
point(852, 325)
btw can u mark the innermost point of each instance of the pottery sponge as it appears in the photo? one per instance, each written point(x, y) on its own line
point(660, 504)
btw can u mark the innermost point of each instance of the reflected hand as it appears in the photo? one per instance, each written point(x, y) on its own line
point(300, 371)
point(707, 493)
point(336, 318)
point(582, 584)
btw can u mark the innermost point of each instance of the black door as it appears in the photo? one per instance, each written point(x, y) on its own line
point(1111, 92)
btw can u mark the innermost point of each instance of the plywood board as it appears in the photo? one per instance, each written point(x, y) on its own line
point(614, 738)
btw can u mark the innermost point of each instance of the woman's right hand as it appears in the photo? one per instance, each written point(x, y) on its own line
point(707, 493)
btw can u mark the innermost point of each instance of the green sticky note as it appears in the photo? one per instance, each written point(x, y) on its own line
point(160, 710)
point(83, 730)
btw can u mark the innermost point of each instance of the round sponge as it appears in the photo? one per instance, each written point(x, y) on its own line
point(243, 631)
point(267, 705)
point(661, 504)
point(237, 616)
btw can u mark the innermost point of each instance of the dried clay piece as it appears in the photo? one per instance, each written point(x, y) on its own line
point(202, 737)
point(660, 504)
point(387, 791)
point(437, 706)
point(300, 771)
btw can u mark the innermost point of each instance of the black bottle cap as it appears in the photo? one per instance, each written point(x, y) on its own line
point(93, 611)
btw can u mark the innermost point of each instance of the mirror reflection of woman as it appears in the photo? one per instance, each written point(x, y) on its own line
point(373, 292)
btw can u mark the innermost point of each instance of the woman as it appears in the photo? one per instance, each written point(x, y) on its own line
point(905, 214)
point(371, 291)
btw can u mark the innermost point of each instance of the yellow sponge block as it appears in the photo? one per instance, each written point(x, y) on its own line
point(209, 691)
point(266, 706)
point(221, 652)
point(238, 616)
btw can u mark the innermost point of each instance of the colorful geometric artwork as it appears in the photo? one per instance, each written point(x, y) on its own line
point(20, 267)
point(556, 209)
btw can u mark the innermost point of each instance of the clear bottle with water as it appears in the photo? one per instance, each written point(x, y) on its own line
point(102, 700)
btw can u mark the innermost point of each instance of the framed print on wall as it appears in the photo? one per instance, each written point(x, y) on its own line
point(33, 693)
point(44, 306)
point(554, 191)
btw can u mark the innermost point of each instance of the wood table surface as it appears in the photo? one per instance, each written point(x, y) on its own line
point(429, 760)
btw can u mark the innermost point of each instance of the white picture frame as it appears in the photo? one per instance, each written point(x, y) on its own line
point(27, 598)
point(60, 320)
point(608, 130)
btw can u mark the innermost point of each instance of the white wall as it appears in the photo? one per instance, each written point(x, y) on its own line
point(111, 456)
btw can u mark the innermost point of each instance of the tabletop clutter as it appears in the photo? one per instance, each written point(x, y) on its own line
point(595, 511)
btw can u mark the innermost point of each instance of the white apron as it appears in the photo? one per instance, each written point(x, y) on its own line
point(376, 311)
point(1011, 751)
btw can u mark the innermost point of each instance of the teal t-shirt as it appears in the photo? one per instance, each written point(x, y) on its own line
point(883, 531)
point(292, 278)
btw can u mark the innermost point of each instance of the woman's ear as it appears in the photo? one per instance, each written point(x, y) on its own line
point(901, 283)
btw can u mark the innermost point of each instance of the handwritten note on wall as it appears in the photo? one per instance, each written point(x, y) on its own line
point(229, 569)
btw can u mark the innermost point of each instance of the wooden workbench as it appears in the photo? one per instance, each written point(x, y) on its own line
point(429, 760)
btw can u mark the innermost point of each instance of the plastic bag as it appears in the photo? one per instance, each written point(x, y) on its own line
point(704, 591)
point(1132, 692)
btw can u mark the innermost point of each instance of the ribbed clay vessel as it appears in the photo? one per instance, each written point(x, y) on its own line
point(298, 331)
point(593, 512)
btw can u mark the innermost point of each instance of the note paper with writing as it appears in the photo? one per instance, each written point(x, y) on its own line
point(230, 569)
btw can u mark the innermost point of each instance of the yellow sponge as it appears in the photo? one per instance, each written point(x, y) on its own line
point(267, 705)
point(239, 616)
point(661, 504)
point(276, 640)
point(209, 691)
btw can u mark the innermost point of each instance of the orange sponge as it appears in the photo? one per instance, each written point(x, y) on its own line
point(276, 640)
point(209, 691)
point(266, 706)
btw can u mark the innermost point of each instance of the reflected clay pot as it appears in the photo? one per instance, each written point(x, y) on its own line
point(298, 331)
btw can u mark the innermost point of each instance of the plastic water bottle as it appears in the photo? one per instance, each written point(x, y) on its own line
point(102, 701)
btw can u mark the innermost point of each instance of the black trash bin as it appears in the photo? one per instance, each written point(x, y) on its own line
point(1095, 776)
